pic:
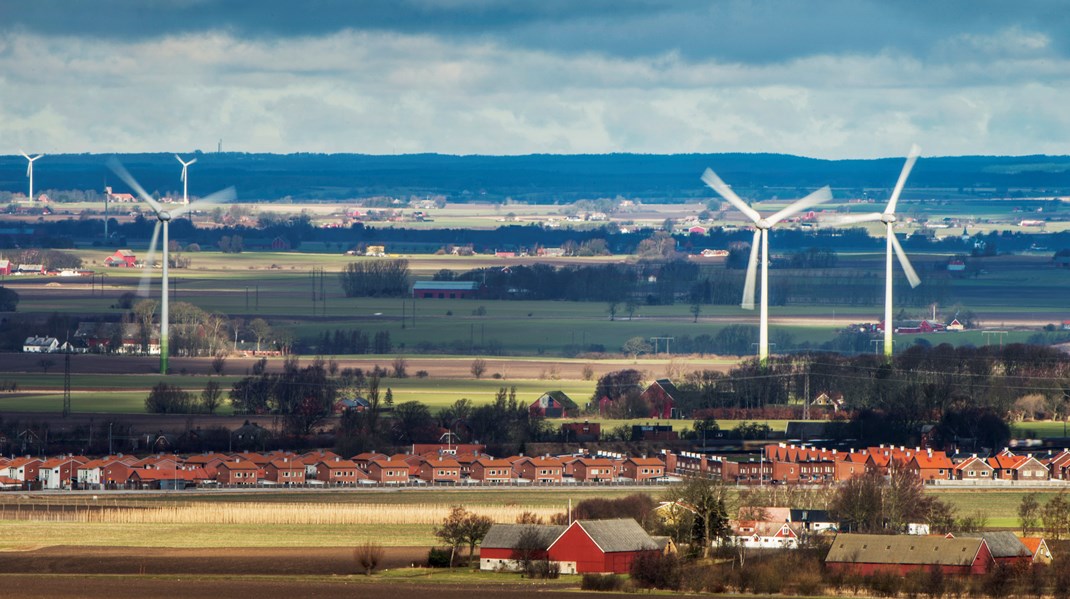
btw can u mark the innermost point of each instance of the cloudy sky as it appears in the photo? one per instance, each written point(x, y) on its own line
point(824, 78)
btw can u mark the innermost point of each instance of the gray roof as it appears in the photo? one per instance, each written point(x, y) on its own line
point(810, 516)
point(447, 285)
point(507, 536)
point(903, 549)
point(563, 399)
point(618, 535)
point(1002, 543)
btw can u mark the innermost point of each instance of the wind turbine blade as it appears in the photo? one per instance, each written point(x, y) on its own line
point(146, 274)
point(752, 272)
point(24, 154)
point(912, 157)
point(851, 219)
point(127, 178)
point(905, 262)
point(818, 197)
point(191, 162)
point(38, 156)
point(219, 198)
point(710, 178)
point(179, 159)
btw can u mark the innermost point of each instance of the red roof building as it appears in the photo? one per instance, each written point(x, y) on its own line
point(285, 471)
point(339, 472)
point(492, 471)
point(237, 471)
point(388, 471)
point(543, 469)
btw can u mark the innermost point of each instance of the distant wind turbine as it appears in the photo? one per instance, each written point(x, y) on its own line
point(29, 169)
point(163, 219)
point(185, 180)
point(761, 237)
point(888, 217)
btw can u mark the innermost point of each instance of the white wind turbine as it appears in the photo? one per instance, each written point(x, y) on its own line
point(163, 219)
point(185, 180)
point(888, 217)
point(761, 237)
point(29, 169)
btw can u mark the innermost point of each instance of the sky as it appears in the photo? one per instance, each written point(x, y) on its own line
point(820, 78)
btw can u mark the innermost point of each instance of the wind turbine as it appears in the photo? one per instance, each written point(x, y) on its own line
point(888, 217)
point(29, 169)
point(185, 181)
point(761, 237)
point(163, 220)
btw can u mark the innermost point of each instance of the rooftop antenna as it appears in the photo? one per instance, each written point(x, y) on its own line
point(29, 169)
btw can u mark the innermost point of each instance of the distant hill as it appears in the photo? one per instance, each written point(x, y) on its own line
point(543, 178)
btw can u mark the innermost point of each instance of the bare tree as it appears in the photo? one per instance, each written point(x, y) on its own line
point(479, 366)
point(368, 555)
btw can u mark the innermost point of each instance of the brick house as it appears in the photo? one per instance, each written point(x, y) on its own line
point(1007, 466)
point(542, 469)
point(285, 471)
point(339, 472)
point(492, 471)
point(237, 471)
point(440, 470)
point(594, 469)
point(973, 468)
point(931, 465)
point(388, 471)
point(639, 469)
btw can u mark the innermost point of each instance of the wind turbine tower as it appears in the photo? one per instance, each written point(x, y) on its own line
point(889, 218)
point(29, 169)
point(761, 238)
point(163, 220)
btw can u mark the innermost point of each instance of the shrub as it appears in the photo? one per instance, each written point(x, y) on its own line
point(543, 569)
point(601, 582)
point(656, 571)
point(438, 557)
point(884, 584)
point(368, 555)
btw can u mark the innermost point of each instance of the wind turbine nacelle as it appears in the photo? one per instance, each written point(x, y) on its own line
point(164, 216)
point(888, 218)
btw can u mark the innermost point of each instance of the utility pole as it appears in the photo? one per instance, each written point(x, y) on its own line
point(988, 337)
point(665, 339)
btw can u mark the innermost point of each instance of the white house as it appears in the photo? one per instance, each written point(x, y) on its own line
point(40, 345)
point(88, 474)
point(765, 535)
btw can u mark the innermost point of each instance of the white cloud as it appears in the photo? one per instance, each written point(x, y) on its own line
point(385, 92)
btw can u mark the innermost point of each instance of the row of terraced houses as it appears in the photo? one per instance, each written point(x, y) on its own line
point(426, 464)
point(788, 464)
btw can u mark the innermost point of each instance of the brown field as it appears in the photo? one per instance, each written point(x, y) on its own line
point(71, 571)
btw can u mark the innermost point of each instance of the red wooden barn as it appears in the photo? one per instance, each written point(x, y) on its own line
point(900, 554)
point(507, 544)
point(583, 546)
point(601, 546)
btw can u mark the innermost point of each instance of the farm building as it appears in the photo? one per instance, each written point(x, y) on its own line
point(507, 544)
point(554, 404)
point(1006, 548)
point(40, 345)
point(1039, 549)
point(662, 396)
point(121, 259)
point(899, 554)
point(601, 546)
point(445, 289)
point(581, 431)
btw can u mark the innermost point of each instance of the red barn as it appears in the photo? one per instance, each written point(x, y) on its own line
point(661, 396)
point(899, 554)
point(507, 544)
point(121, 258)
point(601, 546)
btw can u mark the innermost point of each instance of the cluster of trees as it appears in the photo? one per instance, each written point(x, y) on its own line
point(303, 396)
point(962, 388)
point(172, 399)
point(376, 278)
point(50, 259)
